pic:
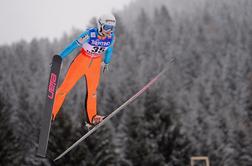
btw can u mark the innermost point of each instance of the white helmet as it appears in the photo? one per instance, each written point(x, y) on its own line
point(106, 23)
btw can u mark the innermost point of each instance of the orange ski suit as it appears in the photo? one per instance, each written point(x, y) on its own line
point(82, 65)
point(94, 49)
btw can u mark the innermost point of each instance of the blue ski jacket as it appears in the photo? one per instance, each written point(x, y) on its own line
point(93, 44)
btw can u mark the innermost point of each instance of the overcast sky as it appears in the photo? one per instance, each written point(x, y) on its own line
point(26, 19)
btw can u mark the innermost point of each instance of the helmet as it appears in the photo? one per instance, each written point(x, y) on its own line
point(106, 23)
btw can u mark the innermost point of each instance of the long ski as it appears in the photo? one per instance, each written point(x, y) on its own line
point(112, 114)
point(47, 112)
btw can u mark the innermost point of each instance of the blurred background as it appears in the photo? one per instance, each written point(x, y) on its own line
point(201, 106)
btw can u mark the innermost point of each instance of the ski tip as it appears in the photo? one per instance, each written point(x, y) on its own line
point(56, 159)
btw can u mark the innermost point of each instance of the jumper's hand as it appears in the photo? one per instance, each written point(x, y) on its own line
point(105, 67)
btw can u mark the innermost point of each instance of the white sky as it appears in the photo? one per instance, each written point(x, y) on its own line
point(26, 19)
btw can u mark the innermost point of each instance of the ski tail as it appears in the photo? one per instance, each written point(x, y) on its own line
point(115, 112)
point(47, 112)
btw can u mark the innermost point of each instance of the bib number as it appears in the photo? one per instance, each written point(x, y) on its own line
point(97, 50)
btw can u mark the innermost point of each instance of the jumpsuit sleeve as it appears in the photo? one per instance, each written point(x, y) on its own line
point(75, 44)
point(108, 53)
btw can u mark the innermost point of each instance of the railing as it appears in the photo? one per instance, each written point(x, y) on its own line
point(200, 158)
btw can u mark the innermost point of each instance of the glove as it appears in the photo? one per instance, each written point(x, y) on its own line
point(105, 67)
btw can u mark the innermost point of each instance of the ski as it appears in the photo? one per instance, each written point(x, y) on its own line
point(112, 114)
point(47, 113)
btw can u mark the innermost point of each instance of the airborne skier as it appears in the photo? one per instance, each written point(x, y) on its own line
point(94, 42)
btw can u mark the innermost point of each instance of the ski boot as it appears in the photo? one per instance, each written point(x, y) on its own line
point(95, 121)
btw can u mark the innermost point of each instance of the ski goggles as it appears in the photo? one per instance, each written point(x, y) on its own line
point(108, 27)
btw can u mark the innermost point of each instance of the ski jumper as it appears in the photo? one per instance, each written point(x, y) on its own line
point(87, 63)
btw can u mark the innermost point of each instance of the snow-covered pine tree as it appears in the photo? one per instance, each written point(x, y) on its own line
point(9, 145)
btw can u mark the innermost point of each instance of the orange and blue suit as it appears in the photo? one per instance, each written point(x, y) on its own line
point(87, 63)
